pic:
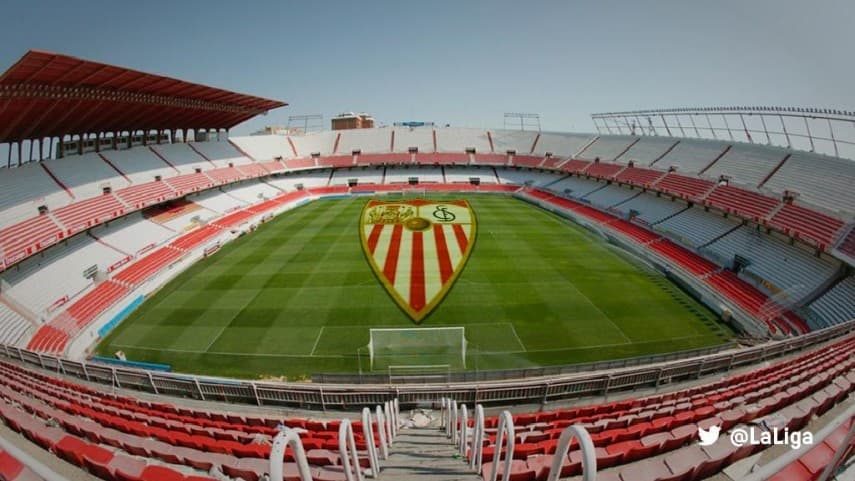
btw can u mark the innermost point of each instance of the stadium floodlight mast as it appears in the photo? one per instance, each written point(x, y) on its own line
point(525, 121)
point(310, 122)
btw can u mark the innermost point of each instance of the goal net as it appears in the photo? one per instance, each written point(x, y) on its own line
point(417, 348)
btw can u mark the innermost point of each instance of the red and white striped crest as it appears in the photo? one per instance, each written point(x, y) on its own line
point(417, 248)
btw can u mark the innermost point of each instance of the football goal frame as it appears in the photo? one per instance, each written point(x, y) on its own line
point(414, 347)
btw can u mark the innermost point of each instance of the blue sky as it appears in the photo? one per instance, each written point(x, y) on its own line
point(466, 62)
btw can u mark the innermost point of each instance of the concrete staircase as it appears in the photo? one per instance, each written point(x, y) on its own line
point(424, 454)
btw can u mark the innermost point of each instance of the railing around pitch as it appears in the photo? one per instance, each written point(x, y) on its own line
point(543, 389)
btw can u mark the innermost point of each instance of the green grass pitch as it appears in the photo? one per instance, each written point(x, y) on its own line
point(298, 297)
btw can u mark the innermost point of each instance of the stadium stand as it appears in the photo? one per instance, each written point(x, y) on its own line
point(220, 153)
point(361, 175)
point(398, 175)
point(462, 174)
point(835, 306)
point(821, 180)
point(647, 150)
point(526, 177)
point(610, 195)
point(119, 437)
point(442, 159)
point(86, 175)
point(182, 157)
point(420, 138)
point(132, 234)
point(809, 226)
point(519, 160)
point(603, 170)
point(750, 205)
point(747, 164)
point(650, 207)
point(265, 147)
point(457, 140)
point(519, 141)
point(638, 176)
point(149, 193)
point(23, 189)
point(784, 266)
point(689, 188)
point(28, 237)
point(140, 165)
point(575, 166)
point(252, 191)
point(218, 201)
point(608, 148)
point(576, 186)
point(695, 227)
point(49, 280)
point(559, 144)
point(322, 143)
point(82, 215)
point(13, 327)
point(289, 182)
point(652, 438)
point(365, 140)
point(691, 156)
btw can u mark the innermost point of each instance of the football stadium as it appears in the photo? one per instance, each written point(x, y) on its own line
point(665, 295)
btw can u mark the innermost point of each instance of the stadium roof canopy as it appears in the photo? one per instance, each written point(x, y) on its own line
point(47, 94)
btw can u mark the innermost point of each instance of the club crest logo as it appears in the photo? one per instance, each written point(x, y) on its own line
point(417, 248)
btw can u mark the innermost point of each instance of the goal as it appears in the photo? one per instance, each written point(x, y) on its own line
point(417, 347)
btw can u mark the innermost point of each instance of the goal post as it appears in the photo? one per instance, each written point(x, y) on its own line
point(398, 348)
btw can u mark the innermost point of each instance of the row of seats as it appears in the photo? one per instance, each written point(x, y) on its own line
point(813, 463)
point(12, 469)
point(93, 430)
point(785, 268)
point(13, 326)
point(653, 438)
point(45, 282)
point(651, 208)
point(835, 305)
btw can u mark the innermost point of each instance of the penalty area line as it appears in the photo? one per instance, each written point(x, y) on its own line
point(517, 336)
point(317, 339)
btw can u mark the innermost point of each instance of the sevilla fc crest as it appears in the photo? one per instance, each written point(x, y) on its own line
point(417, 248)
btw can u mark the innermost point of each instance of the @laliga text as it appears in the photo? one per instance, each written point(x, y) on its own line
point(774, 437)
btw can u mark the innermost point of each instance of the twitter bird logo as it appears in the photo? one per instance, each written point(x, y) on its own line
point(709, 436)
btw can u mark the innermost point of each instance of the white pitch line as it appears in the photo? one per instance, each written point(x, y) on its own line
point(594, 346)
point(517, 336)
point(315, 346)
point(222, 330)
point(589, 301)
point(226, 353)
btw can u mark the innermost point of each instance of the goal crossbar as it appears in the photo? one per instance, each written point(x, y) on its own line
point(417, 347)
